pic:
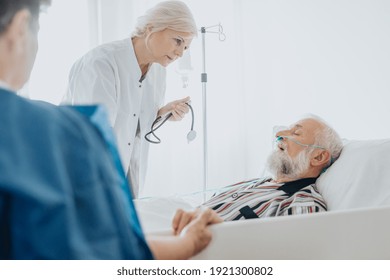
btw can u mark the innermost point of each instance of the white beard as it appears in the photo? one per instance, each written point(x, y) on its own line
point(280, 164)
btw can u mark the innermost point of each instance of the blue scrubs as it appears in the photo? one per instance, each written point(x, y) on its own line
point(63, 194)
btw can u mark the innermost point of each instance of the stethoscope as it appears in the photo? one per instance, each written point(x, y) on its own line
point(159, 121)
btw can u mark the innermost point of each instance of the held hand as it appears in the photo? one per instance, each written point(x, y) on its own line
point(192, 226)
point(181, 219)
point(178, 108)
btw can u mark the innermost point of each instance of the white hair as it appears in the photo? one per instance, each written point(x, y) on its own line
point(328, 138)
point(174, 15)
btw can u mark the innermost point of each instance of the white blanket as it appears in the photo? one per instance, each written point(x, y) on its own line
point(156, 214)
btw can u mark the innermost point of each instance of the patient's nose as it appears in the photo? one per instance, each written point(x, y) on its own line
point(279, 130)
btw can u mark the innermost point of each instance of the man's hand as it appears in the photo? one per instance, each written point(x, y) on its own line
point(192, 226)
point(178, 108)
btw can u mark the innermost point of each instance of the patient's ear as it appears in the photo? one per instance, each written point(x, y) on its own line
point(320, 157)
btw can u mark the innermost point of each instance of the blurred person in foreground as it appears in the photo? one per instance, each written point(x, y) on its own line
point(61, 196)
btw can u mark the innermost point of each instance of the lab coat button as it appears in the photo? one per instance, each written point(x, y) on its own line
point(129, 143)
point(140, 85)
point(134, 115)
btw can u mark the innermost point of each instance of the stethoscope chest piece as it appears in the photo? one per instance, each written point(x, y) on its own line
point(160, 121)
point(191, 135)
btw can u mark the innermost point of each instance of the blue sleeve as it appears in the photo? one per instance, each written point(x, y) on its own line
point(61, 195)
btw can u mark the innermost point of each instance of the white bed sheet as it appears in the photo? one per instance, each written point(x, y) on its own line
point(156, 214)
point(342, 234)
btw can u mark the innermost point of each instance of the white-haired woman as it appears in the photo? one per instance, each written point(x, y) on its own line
point(129, 77)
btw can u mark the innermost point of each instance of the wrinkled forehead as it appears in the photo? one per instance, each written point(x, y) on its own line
point(184, 35)
point(309, 126)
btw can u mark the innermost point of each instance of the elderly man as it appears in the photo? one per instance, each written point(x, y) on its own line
point(303, 151)
point(61, 196)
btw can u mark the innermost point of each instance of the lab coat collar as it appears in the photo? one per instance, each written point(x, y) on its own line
point(135, 61)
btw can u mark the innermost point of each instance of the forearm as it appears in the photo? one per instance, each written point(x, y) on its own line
point(171, 247)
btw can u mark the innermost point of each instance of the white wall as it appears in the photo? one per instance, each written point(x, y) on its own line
point(178, 166)
point(281, 59)
point(330, 58)
point(68, 30)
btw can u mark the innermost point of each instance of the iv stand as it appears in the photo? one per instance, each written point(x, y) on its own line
point(222, 37)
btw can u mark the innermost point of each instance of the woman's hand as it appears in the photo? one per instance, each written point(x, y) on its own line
point(178, 108)
point(191, 235)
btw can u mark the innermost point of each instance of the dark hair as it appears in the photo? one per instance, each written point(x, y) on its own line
point(8, 9)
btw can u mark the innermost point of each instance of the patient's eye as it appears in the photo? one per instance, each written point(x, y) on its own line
point(296, 132)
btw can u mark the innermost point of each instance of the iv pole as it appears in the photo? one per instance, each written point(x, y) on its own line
point(221, 37)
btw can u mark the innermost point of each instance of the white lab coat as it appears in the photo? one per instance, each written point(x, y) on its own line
point(109, 75)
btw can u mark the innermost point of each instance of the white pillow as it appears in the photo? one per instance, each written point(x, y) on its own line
point(359, 178)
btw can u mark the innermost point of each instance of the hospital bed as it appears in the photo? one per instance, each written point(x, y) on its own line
point(357, 190)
